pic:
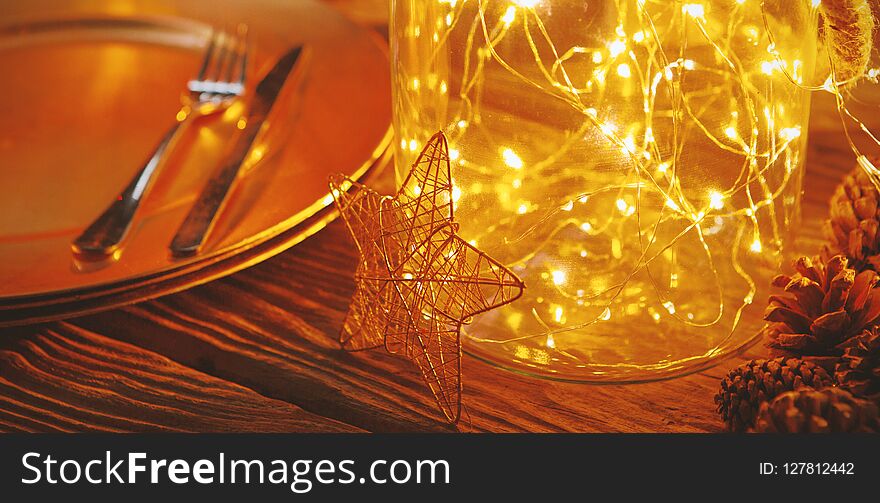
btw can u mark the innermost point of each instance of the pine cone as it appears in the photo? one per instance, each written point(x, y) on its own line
point(750, 384)
point(852, 229)
point(829, 410)
point(823, 306)
point(859, 368)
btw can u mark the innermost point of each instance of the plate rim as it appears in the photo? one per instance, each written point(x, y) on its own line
point(165, 284)
point(287, 232)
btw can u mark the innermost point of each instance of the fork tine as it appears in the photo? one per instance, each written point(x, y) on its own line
point(224, 67)
point(236, 72)
point(219, 58)
point(209, 53)
point(224, 60)
point(244, 62)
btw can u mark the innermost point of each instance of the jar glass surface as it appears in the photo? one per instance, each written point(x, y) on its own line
point(638, 163)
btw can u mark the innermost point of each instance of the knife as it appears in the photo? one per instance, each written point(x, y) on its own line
point(198, 223)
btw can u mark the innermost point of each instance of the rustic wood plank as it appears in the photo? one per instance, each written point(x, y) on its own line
point(267, 336)
point(65, 378)
point(276, 341)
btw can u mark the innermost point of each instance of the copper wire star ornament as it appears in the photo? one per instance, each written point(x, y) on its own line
point(418, 282)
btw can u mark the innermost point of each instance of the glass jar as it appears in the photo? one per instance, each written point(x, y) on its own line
point(638, 163)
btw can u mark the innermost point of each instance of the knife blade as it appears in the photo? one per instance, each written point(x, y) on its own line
point(199, 221)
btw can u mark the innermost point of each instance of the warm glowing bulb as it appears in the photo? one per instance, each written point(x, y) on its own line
point(607, 129)
point(597, 57)
point(558, 314)
point(616, 48)
point(752, 33)
point(756, 246)
point(558, 277)
point(796, 69)
point(511, 159)
point(829, 86)
point(526, 3)
point(456, 193)
point(624, 71)
point(694, 10)
point(716, 200)
point(629, 145)
point(509, 15)
point(731, 133)
point(790, 133)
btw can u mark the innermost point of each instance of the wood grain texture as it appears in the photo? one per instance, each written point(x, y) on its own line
point(257, 351)
point(65, 378)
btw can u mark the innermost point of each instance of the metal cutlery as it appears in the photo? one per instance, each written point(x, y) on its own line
point(198, 223)
point(220, 80)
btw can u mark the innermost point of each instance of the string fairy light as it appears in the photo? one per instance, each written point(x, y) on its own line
point(671, 144)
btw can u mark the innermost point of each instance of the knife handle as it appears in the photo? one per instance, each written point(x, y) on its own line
point(105, 234)
point(200, 220)
point(195, 228)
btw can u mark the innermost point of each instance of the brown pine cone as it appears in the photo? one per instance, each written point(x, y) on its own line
point(755, 382)
point(823, 305)
point(859, 367)
point(852, 229)
point(829, 410)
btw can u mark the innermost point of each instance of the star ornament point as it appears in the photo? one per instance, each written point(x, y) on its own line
point(417, 281)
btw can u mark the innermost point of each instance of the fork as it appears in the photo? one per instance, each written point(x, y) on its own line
point(220, 80)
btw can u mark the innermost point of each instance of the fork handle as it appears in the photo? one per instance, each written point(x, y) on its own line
point(105, 234)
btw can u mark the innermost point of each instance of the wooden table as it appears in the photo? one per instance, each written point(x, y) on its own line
point(257, 351)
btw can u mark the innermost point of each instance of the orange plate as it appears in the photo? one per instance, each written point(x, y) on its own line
point(85, 96)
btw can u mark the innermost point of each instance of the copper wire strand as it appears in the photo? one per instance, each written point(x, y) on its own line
point(557, 82)
point(417, 281)
point(412, 304)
